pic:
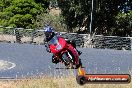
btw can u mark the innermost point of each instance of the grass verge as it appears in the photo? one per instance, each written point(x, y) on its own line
point(55, 82)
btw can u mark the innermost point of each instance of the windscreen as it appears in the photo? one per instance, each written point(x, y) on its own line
point(54, 40)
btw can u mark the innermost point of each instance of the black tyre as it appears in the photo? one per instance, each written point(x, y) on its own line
point(81, 80)
point(67, 60)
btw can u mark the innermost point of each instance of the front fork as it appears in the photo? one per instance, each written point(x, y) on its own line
point(74, 53)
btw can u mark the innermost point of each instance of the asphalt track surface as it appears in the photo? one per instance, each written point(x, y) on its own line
point(33, 60)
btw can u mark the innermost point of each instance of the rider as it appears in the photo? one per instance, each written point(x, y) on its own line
point(49, 34)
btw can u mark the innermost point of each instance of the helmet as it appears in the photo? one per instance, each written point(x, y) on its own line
point(49, 33)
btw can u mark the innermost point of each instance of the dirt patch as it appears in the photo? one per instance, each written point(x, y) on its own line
point(4, 37)
point(12, 38)
point(55, 11)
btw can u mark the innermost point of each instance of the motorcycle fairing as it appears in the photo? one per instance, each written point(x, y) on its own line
point(59, 46)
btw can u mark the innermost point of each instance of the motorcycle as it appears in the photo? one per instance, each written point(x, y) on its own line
point(65, 52)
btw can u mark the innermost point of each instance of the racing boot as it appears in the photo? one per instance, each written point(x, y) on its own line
point(79, 52)
point(54, 60)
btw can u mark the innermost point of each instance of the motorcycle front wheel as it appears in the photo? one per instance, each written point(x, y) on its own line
point(67, 59)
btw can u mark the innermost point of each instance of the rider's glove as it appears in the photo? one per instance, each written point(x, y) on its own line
point(47, 48)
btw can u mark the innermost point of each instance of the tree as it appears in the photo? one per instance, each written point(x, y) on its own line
point(77, 14)
point(105, 12)
point(56, 21)
point(4, 4)
point(22, 13)
point(74, 12)
point(123, 24)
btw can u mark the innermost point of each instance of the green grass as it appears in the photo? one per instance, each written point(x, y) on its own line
point(1, 29)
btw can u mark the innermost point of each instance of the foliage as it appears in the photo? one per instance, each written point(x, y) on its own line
point(4, 4)
point(53, 3)
point(123, 24)
point(107, 10)
point(22, 13)
point(110, 17)
point(56, 21)
point(105, 13)
point(74, 12)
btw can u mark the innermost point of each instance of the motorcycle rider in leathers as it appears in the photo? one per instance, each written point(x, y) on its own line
point(49, 34)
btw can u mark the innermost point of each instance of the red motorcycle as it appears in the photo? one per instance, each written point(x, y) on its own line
point(64, 52)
